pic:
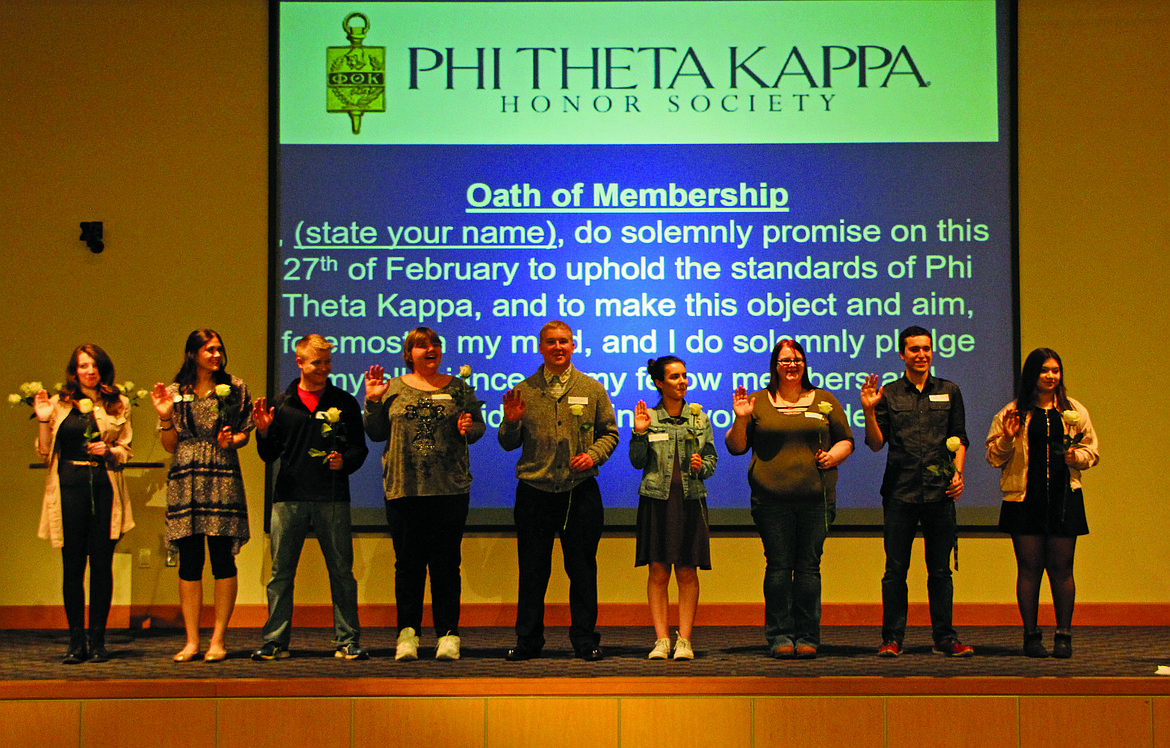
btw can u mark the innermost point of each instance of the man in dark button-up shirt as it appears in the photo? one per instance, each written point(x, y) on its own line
point(921, 418)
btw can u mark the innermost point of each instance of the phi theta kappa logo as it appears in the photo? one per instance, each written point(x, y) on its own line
point(355, 75)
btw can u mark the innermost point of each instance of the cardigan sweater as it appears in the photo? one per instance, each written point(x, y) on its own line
point(549, 435)
point(116, 433)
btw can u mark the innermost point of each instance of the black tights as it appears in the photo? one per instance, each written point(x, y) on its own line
point(1036, 554)
point(87, 541)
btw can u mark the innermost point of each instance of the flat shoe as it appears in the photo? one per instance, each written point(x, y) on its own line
point(215, 657)
point(185, 656)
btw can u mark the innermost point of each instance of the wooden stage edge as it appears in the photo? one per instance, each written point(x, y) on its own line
point(577, 687)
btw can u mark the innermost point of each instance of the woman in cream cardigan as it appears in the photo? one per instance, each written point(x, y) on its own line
point(84, 437)
point(1042, 441)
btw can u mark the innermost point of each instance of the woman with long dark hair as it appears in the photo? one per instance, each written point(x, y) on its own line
point(673, 447)
point(204, 417)
point(798, 435)
point(1042, 441)
point(84, 437)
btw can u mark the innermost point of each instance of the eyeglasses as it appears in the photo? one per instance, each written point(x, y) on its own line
point(790, 362)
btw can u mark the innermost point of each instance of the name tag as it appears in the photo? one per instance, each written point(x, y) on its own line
point(943, 398)
point(578, 400)
point(658, 436)
point(441, 396)
point(815, 416)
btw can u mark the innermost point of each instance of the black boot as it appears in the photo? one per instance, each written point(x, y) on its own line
point(1034, 644)
point(97, 645)
point(1062, 644)
point(76, 653)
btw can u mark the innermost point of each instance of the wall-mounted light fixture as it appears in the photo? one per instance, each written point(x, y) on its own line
point(91, 234)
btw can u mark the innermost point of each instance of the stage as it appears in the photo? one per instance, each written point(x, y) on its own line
point(731, 694)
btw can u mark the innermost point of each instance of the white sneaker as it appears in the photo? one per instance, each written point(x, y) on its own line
point(407, 645)
point(661, 650)
point(448, 648)
point(682, 649)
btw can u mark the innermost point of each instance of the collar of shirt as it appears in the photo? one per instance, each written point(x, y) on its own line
point(557, 380)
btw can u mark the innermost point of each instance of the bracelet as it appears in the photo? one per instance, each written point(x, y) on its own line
point(40, 421)
point(168, 428)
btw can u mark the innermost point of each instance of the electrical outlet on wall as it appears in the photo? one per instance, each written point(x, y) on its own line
point(143, 558)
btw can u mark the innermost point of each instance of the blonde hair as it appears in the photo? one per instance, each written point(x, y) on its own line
point(557, 325)
point(314, 342)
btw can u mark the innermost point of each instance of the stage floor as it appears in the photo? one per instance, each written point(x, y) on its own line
point(720, 652)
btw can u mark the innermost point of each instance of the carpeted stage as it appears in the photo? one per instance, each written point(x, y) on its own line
point(1107, 660)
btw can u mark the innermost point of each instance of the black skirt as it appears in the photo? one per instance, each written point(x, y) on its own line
point(674, 531)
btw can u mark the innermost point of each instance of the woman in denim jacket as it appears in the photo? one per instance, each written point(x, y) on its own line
point(673, 448)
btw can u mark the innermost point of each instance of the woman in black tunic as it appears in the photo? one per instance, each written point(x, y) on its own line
point(1042, 441)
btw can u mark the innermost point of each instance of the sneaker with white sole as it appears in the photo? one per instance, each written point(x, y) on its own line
point(448, 647)
point(661, 650)
point(407, 645)
point(682, 649)
point(351, 651)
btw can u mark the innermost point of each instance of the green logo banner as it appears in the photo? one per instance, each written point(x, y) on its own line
point(850, 71)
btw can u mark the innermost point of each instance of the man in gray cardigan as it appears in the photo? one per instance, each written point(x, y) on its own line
point(564, 425)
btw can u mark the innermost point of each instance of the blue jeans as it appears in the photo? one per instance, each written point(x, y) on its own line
point(901, 522)
point(794, 538)
point(291, 522)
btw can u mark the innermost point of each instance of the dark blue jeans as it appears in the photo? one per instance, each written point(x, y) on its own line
point(938, 531)
point(794, 538)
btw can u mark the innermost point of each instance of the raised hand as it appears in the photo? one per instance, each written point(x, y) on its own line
point(641, 417)
point(741, 403)
point(513, 406)
point(376, 383)
point(871, 393)
point(41, 406)
point(261, 414)
point(1011, 424)
point(163, 404)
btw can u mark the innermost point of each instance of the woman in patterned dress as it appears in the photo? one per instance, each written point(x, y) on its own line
point(204, 417)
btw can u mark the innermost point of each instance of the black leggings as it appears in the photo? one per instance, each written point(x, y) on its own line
point(1036, 554)
point(85, 519)
point(223, 563)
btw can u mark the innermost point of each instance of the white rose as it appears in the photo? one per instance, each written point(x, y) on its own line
point(141, 394)
point(223, 390)
point(465, 371)
point(333, 415)
point(14, 399)
point(954, 443)
point(826, 407)
point(577, 410)
point(696, 409)
point(85, 405)
point(1071, 417)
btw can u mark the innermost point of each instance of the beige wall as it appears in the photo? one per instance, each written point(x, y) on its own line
point(152, 117)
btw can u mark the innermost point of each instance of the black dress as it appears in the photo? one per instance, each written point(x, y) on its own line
point(1049, 507)
point(674, 531)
